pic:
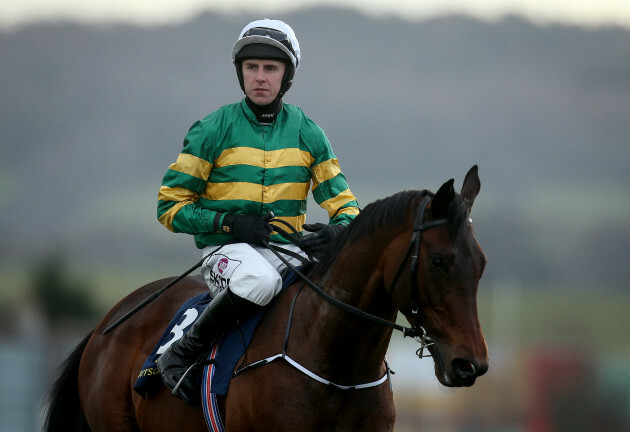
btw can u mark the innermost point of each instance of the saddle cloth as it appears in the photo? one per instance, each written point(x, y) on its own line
point(214, 380)
point(231, 347)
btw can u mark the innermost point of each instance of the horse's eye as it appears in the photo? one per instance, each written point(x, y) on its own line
point(438, 263)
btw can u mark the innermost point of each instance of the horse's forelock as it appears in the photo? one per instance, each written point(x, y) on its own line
point(458, 217)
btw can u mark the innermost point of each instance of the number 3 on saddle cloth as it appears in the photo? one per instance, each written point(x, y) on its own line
point(222, 358)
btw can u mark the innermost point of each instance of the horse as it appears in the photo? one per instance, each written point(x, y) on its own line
point(414, 252)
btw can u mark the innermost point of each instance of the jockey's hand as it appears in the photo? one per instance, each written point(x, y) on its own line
point(250, 229)
point(321, 235)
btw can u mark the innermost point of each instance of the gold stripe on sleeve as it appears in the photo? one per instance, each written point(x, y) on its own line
point(167, 218)
point(325, 171)
point(176, 194)
point(192, 165)
point(333, 204)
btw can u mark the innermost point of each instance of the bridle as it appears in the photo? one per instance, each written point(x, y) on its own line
point(416, 331)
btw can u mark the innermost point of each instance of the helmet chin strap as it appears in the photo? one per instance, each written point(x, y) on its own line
point(287, 80)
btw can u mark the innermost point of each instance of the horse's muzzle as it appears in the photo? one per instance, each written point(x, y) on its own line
point(465, 372)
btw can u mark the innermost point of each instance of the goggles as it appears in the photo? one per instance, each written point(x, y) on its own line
point(273, 34)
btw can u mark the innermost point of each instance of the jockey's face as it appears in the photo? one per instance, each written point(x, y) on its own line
point(262, 79)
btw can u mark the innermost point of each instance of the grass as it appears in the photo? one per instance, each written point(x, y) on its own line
point(517, 314)
point(555, 316)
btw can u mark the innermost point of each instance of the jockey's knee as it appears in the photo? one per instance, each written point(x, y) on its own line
point(259, 288)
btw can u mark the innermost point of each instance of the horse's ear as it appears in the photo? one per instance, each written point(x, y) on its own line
point(442, 200)
point(471, 187)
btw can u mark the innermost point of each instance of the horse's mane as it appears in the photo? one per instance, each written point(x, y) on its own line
point(390, 212)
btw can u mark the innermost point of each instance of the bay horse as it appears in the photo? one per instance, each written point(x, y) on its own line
point(414, 252)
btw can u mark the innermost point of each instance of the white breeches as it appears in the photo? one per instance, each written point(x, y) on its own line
point(251, 272)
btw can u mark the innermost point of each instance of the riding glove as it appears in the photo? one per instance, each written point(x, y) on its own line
point(321, 235)
point(250, 229)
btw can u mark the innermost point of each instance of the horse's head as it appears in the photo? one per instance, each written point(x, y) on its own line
point(442, 288)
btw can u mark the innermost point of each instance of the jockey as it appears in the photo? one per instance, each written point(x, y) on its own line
point(239, 163)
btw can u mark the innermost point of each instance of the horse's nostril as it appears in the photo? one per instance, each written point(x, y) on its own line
point(463, 368)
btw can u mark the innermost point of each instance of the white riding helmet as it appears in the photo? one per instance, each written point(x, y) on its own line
point(271, 32)
point(268, 39)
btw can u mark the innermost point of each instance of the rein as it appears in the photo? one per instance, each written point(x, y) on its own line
point(417, 331)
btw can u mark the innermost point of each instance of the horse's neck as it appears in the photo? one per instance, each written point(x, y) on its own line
point(344, 344)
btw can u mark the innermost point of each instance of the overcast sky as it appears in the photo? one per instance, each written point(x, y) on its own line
point(14, 13)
